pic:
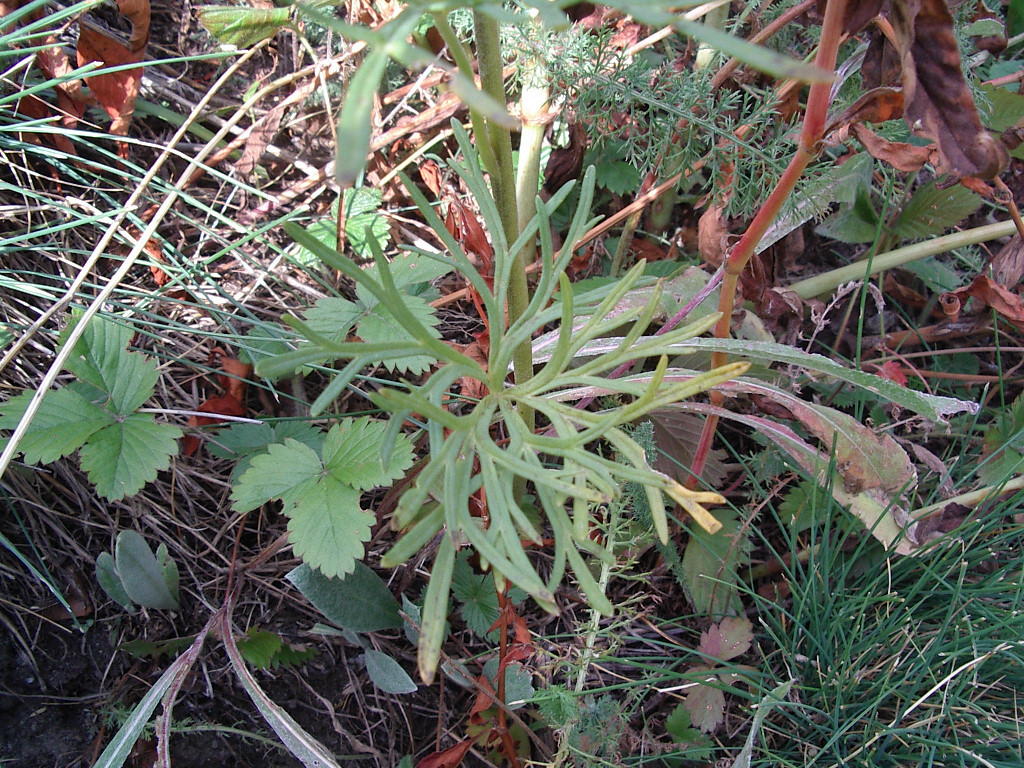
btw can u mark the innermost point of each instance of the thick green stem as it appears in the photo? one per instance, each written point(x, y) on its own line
point(829, 281)
point(489, 59)
point(533, 104)
point(813, 127)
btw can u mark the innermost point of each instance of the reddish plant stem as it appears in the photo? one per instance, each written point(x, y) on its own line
point(736, 262)
point(507, 742)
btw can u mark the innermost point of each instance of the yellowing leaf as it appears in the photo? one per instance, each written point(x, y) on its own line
point(240, 26)
point(730, 638)
point(705, 703)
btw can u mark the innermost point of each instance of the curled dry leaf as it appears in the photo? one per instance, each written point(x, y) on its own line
point(937, 101)
point(990, 293)
point(449, 758)
point(713, 235)
point(876, 106)
point(1008, 264)
point(898, 154)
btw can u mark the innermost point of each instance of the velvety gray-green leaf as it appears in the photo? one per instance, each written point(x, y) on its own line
point(141, 574)
point(360, 602)
point(387, 674)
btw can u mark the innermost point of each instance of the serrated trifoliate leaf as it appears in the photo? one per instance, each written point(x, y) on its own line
point(409, 271)
point(321, 493)
point(106, 575)
point(124, 456)
point(64, 421)
point(141, 573)
point(240, 26)
point(285, 471)
point(101, 360)
point(387, 674)
point(475, 591)
point(334, 318)
point(360, 601)
point(352, 454)
point(931, 211)
point(327, 528)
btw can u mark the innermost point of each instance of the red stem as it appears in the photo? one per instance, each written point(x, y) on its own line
point(736, 262)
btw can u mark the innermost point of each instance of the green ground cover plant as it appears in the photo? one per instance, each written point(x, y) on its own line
point(529, 456)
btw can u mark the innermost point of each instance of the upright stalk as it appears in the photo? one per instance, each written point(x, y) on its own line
point(736, 262)
point(489, 60)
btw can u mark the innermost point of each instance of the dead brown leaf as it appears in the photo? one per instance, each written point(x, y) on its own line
point(713, 235)
point(449, 758)
point(876, 106)
point(116, 91)
point(939, 105)
point(990, 293)
point(898, 154)
point(1008, 264)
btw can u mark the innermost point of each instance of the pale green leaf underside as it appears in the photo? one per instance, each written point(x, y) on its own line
point(124, 456)
point(141, 574)
point(387, 674)
point(359, 602)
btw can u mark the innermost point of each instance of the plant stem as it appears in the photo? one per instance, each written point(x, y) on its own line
point(829, 281)
point(461, 58)
point(736, 262)
point(488, 51)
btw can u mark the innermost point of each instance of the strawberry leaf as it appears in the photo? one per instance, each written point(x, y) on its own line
point(61, 426)
point(352, 454)
point(327, 528)
point(124, 456)
point(100, 359)
point(286, 471)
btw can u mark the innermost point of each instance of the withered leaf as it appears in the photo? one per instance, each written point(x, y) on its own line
point(990, 293)
point(898, 154)
point(705, 703)
point(729, 638)
point(116, 91)
point(939, 105)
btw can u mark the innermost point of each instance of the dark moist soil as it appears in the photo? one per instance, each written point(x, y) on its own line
point(55, 706)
